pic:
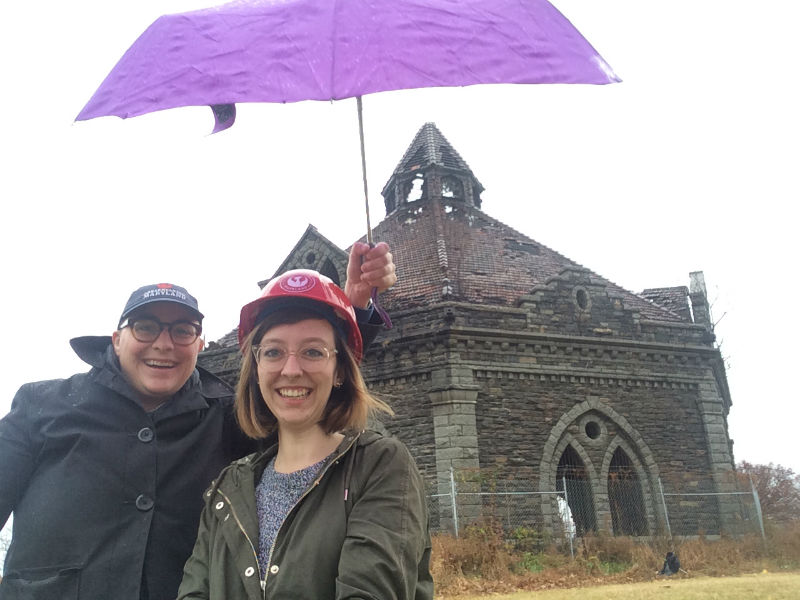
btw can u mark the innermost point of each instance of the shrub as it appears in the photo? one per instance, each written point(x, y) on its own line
point(529, 540)
point(480, 552)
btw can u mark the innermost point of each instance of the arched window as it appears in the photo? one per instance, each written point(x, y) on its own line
point(579, 490)
point(625, 496)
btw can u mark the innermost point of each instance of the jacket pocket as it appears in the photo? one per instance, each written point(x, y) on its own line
point(47, 583)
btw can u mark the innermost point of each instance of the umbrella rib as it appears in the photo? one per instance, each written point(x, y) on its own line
point(333, 30)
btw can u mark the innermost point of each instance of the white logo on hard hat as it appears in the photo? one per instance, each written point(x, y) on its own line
point(297, 283)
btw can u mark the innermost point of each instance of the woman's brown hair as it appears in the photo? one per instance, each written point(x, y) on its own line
point(349, 405)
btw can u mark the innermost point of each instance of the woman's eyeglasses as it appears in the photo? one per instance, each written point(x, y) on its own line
point(311, 358)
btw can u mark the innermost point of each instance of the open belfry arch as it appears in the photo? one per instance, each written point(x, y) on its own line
point(509, 359)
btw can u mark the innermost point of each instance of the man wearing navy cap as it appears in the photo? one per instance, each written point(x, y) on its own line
point(105, 471)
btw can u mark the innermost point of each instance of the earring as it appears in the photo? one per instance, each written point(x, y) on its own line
point(337, 384)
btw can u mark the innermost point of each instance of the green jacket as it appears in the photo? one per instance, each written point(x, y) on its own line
point(359, 531)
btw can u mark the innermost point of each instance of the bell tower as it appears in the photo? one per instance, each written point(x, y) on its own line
point(431, 169)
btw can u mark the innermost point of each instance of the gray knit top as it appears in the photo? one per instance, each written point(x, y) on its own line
point(276, 494)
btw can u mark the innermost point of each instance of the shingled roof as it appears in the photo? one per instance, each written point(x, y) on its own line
point(447, 251)
point(429, 147)
point(675, 299)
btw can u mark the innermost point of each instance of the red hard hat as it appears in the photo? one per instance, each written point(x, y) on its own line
point(304, 283)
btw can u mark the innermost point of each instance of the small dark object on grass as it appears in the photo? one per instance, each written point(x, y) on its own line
point(671, 564)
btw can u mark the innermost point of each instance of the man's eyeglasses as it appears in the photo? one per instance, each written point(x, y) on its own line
point(311, 358)
point(147, 330)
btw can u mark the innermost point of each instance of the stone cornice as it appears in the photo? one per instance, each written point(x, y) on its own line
point(480, 333)
point(588, 376)
point(598, 376)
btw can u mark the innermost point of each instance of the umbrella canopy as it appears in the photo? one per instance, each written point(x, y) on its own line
point(293, 50)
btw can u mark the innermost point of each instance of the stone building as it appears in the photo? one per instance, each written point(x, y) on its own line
point(510, 360)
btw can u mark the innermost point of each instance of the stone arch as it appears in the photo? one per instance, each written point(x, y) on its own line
point(633, 445)
point(569, 440)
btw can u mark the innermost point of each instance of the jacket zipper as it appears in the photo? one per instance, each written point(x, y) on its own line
point(299, 500)
point(247, 537)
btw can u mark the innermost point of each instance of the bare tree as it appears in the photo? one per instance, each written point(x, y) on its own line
point(778, 490)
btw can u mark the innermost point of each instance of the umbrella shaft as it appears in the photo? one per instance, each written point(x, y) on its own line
point(364, 166)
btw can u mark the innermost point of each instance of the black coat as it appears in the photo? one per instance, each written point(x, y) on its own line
point(107, 497)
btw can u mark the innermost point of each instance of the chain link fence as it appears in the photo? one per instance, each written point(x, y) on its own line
point(734, 513)
point(623, 507)
point(529, 517)
point(536, 518)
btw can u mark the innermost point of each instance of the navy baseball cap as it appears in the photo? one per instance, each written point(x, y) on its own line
point(160, 292)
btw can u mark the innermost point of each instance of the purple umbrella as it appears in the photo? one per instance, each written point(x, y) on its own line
point(292, 50)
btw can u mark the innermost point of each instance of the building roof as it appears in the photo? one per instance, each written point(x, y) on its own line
point(448, 251)
point(675, 299)
point(429, 147)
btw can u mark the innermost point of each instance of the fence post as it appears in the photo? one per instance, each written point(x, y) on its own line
point(453, 499)
point(567, 525)
point(664, 505)
point(758, 512)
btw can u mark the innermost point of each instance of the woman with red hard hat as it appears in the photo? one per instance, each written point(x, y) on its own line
point(328, 510)
point(295, 287)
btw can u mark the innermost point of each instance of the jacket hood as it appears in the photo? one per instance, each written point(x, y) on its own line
point(91, 349)
point(96, 351)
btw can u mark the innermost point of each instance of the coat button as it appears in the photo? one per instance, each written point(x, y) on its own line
point(274, 569)
point(144, 502)
point(219, 505)
point(248, 572)
point(146, 435)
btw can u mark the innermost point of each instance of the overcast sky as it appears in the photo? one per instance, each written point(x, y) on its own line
point(689, 164)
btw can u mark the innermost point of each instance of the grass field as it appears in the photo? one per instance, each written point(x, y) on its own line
point(766, 586)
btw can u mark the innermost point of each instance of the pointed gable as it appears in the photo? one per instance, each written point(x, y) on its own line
point(314, 251)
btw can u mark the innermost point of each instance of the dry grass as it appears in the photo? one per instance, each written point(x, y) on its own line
point(769, 586)
point(481, 562)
